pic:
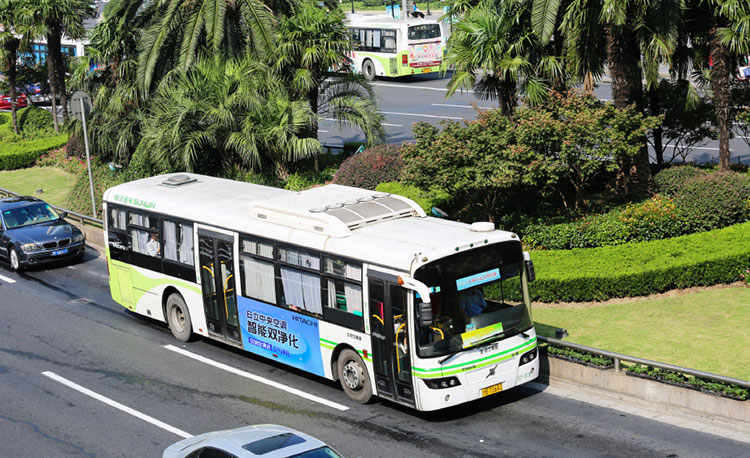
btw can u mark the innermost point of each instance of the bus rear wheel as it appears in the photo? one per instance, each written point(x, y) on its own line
point(354, 377)
point(368, 70)
point(178, 318)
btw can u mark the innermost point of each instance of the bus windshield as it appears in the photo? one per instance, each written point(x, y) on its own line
point(476, 298)
point(424, 31)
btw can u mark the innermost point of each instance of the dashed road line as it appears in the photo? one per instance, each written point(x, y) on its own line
point(258, 378)
point(6, 279)
point(116, 405)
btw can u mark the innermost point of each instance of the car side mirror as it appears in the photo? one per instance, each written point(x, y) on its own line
point(63, 215)
point(424, 311)
point(530, 270)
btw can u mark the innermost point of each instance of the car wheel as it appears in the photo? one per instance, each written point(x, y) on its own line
point(15, 260)
point(368, 70)
point(354, 377)
point(178, 318)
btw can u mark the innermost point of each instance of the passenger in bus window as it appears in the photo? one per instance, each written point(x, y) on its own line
point(152, 247)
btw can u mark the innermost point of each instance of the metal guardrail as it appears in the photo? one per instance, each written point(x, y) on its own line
point(619, 357)
point(71, 214)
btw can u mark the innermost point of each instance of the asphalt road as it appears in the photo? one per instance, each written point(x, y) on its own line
point(422, 98)
point(72, 362)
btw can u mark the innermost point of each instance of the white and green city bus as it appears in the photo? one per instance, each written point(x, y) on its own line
point(345, 283)
point(384, 46)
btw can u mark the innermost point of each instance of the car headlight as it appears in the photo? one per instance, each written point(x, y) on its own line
point(79, 238)
point(31, 247)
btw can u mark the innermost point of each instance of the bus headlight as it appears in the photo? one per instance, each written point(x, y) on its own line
point(528, 357)
point(441, 383)
point(31, 247)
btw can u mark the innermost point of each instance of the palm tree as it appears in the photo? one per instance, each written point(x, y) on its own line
point(719, 30)
point(312, 42)
point(180, 32)
point(496, 53)
point(53, 18)
point(13, 33)
point(218, 114)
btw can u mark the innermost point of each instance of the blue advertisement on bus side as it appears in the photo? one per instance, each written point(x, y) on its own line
point(280, 334)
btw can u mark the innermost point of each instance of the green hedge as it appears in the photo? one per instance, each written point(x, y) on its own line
point(638, 269)
point(23, 154)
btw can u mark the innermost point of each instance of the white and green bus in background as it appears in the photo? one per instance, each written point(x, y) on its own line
point(384, 46)
point(345, 283)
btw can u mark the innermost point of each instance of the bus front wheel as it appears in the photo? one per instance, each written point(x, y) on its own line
point(368, 70)
point(354, 377)
point(178, 318)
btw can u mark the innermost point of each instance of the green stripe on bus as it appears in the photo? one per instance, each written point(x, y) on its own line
point(475, 364)
point(331, 345)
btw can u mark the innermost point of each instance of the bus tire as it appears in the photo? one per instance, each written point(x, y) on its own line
point(354, 377)
point(368, 70)
point(178, 318)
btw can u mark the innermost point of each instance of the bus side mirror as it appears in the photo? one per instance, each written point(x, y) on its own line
point(530, 270)
point(425, 314)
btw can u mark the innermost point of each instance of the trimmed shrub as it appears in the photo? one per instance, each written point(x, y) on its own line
point(424, 199)
point(299, 181)
point(669, 181)
point(373, 166)
point(714, 201)
point(25, 153)
point(80, 197)
point(639, 269)
point(34, 119)
point(653, 219)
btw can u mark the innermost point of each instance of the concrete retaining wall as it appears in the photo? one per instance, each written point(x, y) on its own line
point(624, 386)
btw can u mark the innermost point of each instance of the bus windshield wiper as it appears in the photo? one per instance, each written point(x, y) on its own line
point(441, 361)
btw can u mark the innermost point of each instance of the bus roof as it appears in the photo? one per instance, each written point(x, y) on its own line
point(351, 222)
point(383, 20)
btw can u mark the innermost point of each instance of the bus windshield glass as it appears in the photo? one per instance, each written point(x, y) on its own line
point(476, 296)
point(424, 32)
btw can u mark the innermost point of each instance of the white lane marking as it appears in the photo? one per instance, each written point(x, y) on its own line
point(406, 86)
point(419, 115)
point(116, 405)
point(450, 105)
point(6, 279)
point(321, 130)
point(382, 124)
point(257, 378)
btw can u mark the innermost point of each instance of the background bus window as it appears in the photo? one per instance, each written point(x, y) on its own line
point(424, 31)
point(258, 279)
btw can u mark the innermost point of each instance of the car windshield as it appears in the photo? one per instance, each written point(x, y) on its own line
point(322, 452)
point(28, 215)
point(476, 297)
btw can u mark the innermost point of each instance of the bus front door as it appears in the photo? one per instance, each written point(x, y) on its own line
point(217, 283)
point(390, 339)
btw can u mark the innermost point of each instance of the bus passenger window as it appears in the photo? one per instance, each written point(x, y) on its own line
point(301, 290)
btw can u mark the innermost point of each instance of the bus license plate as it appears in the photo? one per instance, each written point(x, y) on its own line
point(59, 252)
point(492, 389)
point(425, 70)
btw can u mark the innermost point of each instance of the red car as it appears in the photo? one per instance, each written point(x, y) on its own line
point(20, 101)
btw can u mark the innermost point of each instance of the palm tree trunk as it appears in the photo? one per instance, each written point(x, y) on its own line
point(623, 60)
point(507, 97)
point(52, 75)
point(54, 53)
point(720, 83)
point(12, 50)
point(312, 98)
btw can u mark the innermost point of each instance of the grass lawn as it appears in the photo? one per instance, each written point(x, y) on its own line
point(707, 330)
point(55, 183)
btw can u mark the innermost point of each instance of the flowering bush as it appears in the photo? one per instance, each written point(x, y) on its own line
point(373, 166)
point(59, 158)
point(745, 276)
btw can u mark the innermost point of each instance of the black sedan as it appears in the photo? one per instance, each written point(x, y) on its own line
point(32, 233)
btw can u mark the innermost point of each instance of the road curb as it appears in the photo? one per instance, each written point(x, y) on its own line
point(683, 407)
